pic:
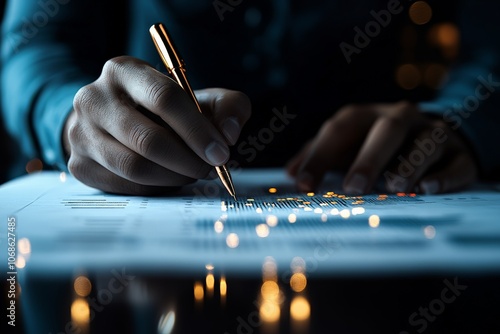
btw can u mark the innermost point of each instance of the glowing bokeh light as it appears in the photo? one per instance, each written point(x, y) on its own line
point(198, 291)
point(270, 290)
point(218, 226)
point(430, 232)
point(300, 308)
point(345, 213)
point(82, 286)
point(34, 165)
point(62, 177)
point(223, 286)
point(80, 311)
point(262, 230)
point(298, 264)
point(420, 12)
point(20, 261)
point(166, 323)
point(358, 211)
point(210, 282)
point(298, 282)
point(408, 76)
point(374, 221)
point(272, 220)
point(24, 246)
point(269, 270)
point(269, 311)
point(232, 240)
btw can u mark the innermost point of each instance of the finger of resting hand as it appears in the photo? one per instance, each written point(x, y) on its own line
point(229, 110)
point(292, 167)
point(383, 140)
point(414, 162)
point(96, 176)
point(131, 166)
point(334, 140)
point(155, 142)
point(165, 98)
point(460, 172)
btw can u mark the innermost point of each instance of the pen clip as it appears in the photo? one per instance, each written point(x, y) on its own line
point(166, 48)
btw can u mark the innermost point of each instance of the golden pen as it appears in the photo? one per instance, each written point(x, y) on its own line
point(176, 67)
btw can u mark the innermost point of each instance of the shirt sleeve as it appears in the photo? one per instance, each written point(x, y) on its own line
point(469, 101)
point(49, 51)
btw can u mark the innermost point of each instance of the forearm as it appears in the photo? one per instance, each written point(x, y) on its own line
point(470, 99)
point(42, 72)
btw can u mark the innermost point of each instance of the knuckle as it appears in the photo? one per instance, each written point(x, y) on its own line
point(396, 121)
point(114, 65)
point(130, 165)
point(194, 131)
point(160, 93)
point(86, 99)
point(75, 134)
point(336, 125)
point(349, 109)
point(76, 167)
point(143, 138)
point(349, 115)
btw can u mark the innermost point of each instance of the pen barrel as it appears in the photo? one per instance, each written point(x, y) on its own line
point(181, 78)
point(172, 59)
point(176, 68)
point(165, 46)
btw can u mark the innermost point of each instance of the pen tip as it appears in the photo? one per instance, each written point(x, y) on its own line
point(235, 199)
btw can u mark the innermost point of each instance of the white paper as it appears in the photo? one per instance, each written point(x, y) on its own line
point(71, 226)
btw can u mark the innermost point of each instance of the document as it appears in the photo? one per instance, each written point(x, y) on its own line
point(62, 224)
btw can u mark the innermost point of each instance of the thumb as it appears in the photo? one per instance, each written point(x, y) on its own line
point(228, 110)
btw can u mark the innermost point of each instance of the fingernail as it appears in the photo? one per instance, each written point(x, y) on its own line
point(356, 184)
point(429, 187)
point(231, 129)
point(305, 181)
point(217, 153)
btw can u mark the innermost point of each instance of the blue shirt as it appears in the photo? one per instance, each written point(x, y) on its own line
point(307, 58)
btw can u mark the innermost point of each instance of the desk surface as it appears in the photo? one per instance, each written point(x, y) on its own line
point(62, 225)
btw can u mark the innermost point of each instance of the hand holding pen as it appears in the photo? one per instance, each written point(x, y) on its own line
point(135, 131)
point(176, 67)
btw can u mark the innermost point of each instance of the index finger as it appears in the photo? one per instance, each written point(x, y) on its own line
point(382, 141)
point(164, 97)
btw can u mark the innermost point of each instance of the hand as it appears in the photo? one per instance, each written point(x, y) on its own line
point(410, 150)
point(135, 131)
